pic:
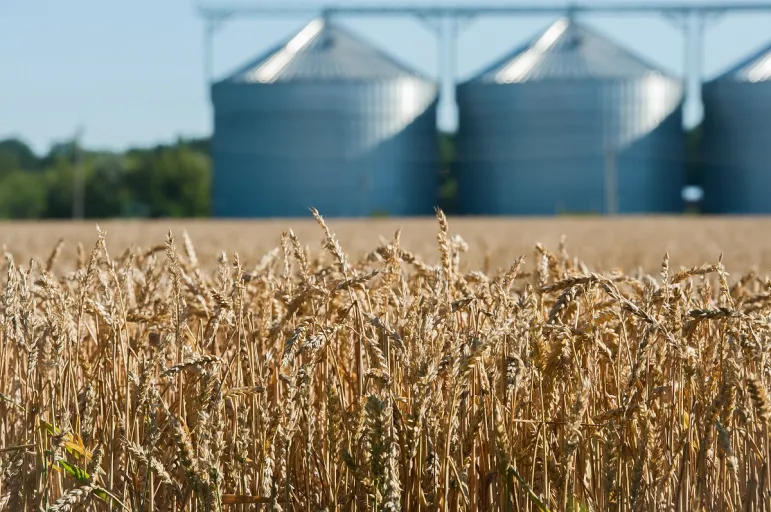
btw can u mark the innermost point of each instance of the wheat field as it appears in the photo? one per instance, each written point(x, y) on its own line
point(605, 243)
point(455, 365)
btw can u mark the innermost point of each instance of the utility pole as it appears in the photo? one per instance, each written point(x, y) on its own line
point(78, 192)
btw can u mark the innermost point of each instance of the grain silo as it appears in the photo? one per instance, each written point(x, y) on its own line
point(324, 120)
point(570, 123)
point(736, 154)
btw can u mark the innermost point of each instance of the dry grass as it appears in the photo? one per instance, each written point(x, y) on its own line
point(379, 380)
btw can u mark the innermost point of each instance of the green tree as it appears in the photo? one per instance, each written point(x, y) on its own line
point(172, 182)
point(16, 155)
point(22, 195)
point(107, 193)
point(202, 145)
point(58, 186)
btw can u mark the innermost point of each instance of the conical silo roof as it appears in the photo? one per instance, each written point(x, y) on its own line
point(323, 51)
point(324, 119)
point(567, 50)
point(755, 68)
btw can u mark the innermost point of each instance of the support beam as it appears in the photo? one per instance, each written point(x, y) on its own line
point(697, 64)
point(450, 103)
point(212, 25)
point(693, 26)
point(216, 14)
point(208, 48)
point(254, 9)
point(681, 21)
point(447, 30)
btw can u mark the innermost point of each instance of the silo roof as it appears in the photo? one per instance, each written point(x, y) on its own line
point(755, 68)
point(567, 50)
point(322, 51)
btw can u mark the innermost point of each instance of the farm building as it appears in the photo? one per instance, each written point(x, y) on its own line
point(570, 123)
point(324, 120)
point(735, 154)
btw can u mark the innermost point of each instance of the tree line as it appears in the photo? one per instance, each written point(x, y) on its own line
point(172, 180)
point(163, 181)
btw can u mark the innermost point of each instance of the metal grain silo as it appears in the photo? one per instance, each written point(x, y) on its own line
point(324, 120)
point(736, 154)
point(570, 123)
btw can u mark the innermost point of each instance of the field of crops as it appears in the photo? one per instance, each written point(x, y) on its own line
point(604, 244)
point(432, 369)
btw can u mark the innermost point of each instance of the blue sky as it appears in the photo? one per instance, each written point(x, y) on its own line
point(132, 73)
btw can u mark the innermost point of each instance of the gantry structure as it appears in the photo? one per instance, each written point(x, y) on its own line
point(447, 21)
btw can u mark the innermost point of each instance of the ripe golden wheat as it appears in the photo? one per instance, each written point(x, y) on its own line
point(312, 382)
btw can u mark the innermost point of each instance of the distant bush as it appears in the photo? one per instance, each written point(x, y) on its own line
point(22, 195)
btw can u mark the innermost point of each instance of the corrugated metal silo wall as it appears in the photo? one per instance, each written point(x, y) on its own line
point(735, 150)
point(347, 149)
point(652, 170)
point(540, 148)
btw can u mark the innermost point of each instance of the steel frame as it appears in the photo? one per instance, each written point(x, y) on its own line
point(446, 21)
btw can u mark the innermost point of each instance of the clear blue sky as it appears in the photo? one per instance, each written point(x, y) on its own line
point(132, 73)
